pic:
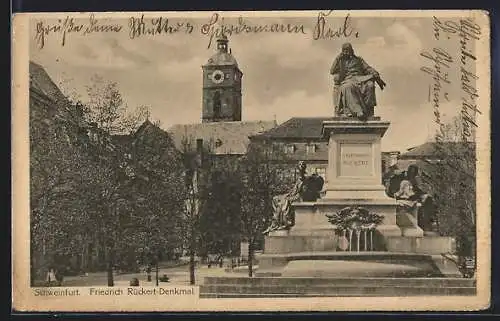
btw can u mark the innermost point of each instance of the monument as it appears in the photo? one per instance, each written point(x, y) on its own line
point(355, 220)
point(357, 239)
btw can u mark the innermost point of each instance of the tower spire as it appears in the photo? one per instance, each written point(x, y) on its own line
point(222, 43)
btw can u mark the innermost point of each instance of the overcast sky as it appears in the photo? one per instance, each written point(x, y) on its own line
point(285, 75)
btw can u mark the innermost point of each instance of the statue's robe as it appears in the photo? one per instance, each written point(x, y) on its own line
point(312, 187)
point(355, 95)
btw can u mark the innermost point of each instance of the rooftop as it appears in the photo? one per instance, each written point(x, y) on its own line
point(297, 127)
point(429, 149)
point(222, 137)
point(41, 81)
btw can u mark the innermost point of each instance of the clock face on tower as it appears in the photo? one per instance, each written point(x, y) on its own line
point(221, 93)
point(217, 77)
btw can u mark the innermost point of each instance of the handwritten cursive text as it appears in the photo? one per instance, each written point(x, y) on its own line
point(322, 31)
point(216, 27)
point(157, 26)
point(69, 25)
point(439, 71)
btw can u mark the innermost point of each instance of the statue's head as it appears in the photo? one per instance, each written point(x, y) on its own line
point(302, 166)
point(347, 50)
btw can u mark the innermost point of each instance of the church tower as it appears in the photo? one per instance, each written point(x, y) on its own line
point(221, 86)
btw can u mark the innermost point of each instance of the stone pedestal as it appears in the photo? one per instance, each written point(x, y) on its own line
point(355, 169)
point(354, 159)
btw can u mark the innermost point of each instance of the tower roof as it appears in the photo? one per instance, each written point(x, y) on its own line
point(222, 38)
point(223, 56)
point(224, 59)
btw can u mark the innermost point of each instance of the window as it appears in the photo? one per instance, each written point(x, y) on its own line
point(310, 148)
point(289, 149)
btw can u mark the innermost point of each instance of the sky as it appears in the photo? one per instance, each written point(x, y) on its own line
point(285, 74)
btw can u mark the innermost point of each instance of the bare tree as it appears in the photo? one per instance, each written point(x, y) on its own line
point(106, 108)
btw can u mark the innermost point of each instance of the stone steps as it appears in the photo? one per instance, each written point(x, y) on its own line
point(232, 291)
point(219, 287)
point(306, 281)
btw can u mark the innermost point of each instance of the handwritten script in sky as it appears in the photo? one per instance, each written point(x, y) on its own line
point(465, 32)
point(216, 26)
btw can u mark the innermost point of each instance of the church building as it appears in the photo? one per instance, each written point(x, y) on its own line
point(221, 126)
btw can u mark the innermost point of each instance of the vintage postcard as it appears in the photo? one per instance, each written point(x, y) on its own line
point(251, 161)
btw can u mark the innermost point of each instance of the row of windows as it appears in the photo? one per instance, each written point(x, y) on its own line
point(290, 148)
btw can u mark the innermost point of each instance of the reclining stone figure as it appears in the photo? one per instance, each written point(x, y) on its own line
point(406, 188)
point(306, 188)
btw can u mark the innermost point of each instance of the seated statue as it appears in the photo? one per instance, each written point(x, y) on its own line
point(406, 188)
point(306, 188)
point(354, 85)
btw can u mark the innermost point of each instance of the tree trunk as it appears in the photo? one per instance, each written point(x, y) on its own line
point(192, 280)
point(33, 265)
point(192, 252)
point(110, 274)
point(157, 281)
point(110, 267)
point(250, 258)
point(82, 257)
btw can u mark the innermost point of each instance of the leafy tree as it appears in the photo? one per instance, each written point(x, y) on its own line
point(106, 180)
point(223, 210)
point(56, 166)
point(453, 178)
point(198, 164)
point(262, 179)
point(90, 186)
point(160, 187)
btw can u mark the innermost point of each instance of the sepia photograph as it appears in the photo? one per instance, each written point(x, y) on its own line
point(325, 160)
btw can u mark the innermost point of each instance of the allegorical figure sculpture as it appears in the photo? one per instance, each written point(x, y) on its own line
point(354, 85)
point(306, 188)
point(406, 188)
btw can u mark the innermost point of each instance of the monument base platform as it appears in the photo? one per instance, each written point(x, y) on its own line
point(262, 287)
point(334, 263)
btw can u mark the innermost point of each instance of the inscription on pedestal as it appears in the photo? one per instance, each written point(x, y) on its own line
point(356, 160)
